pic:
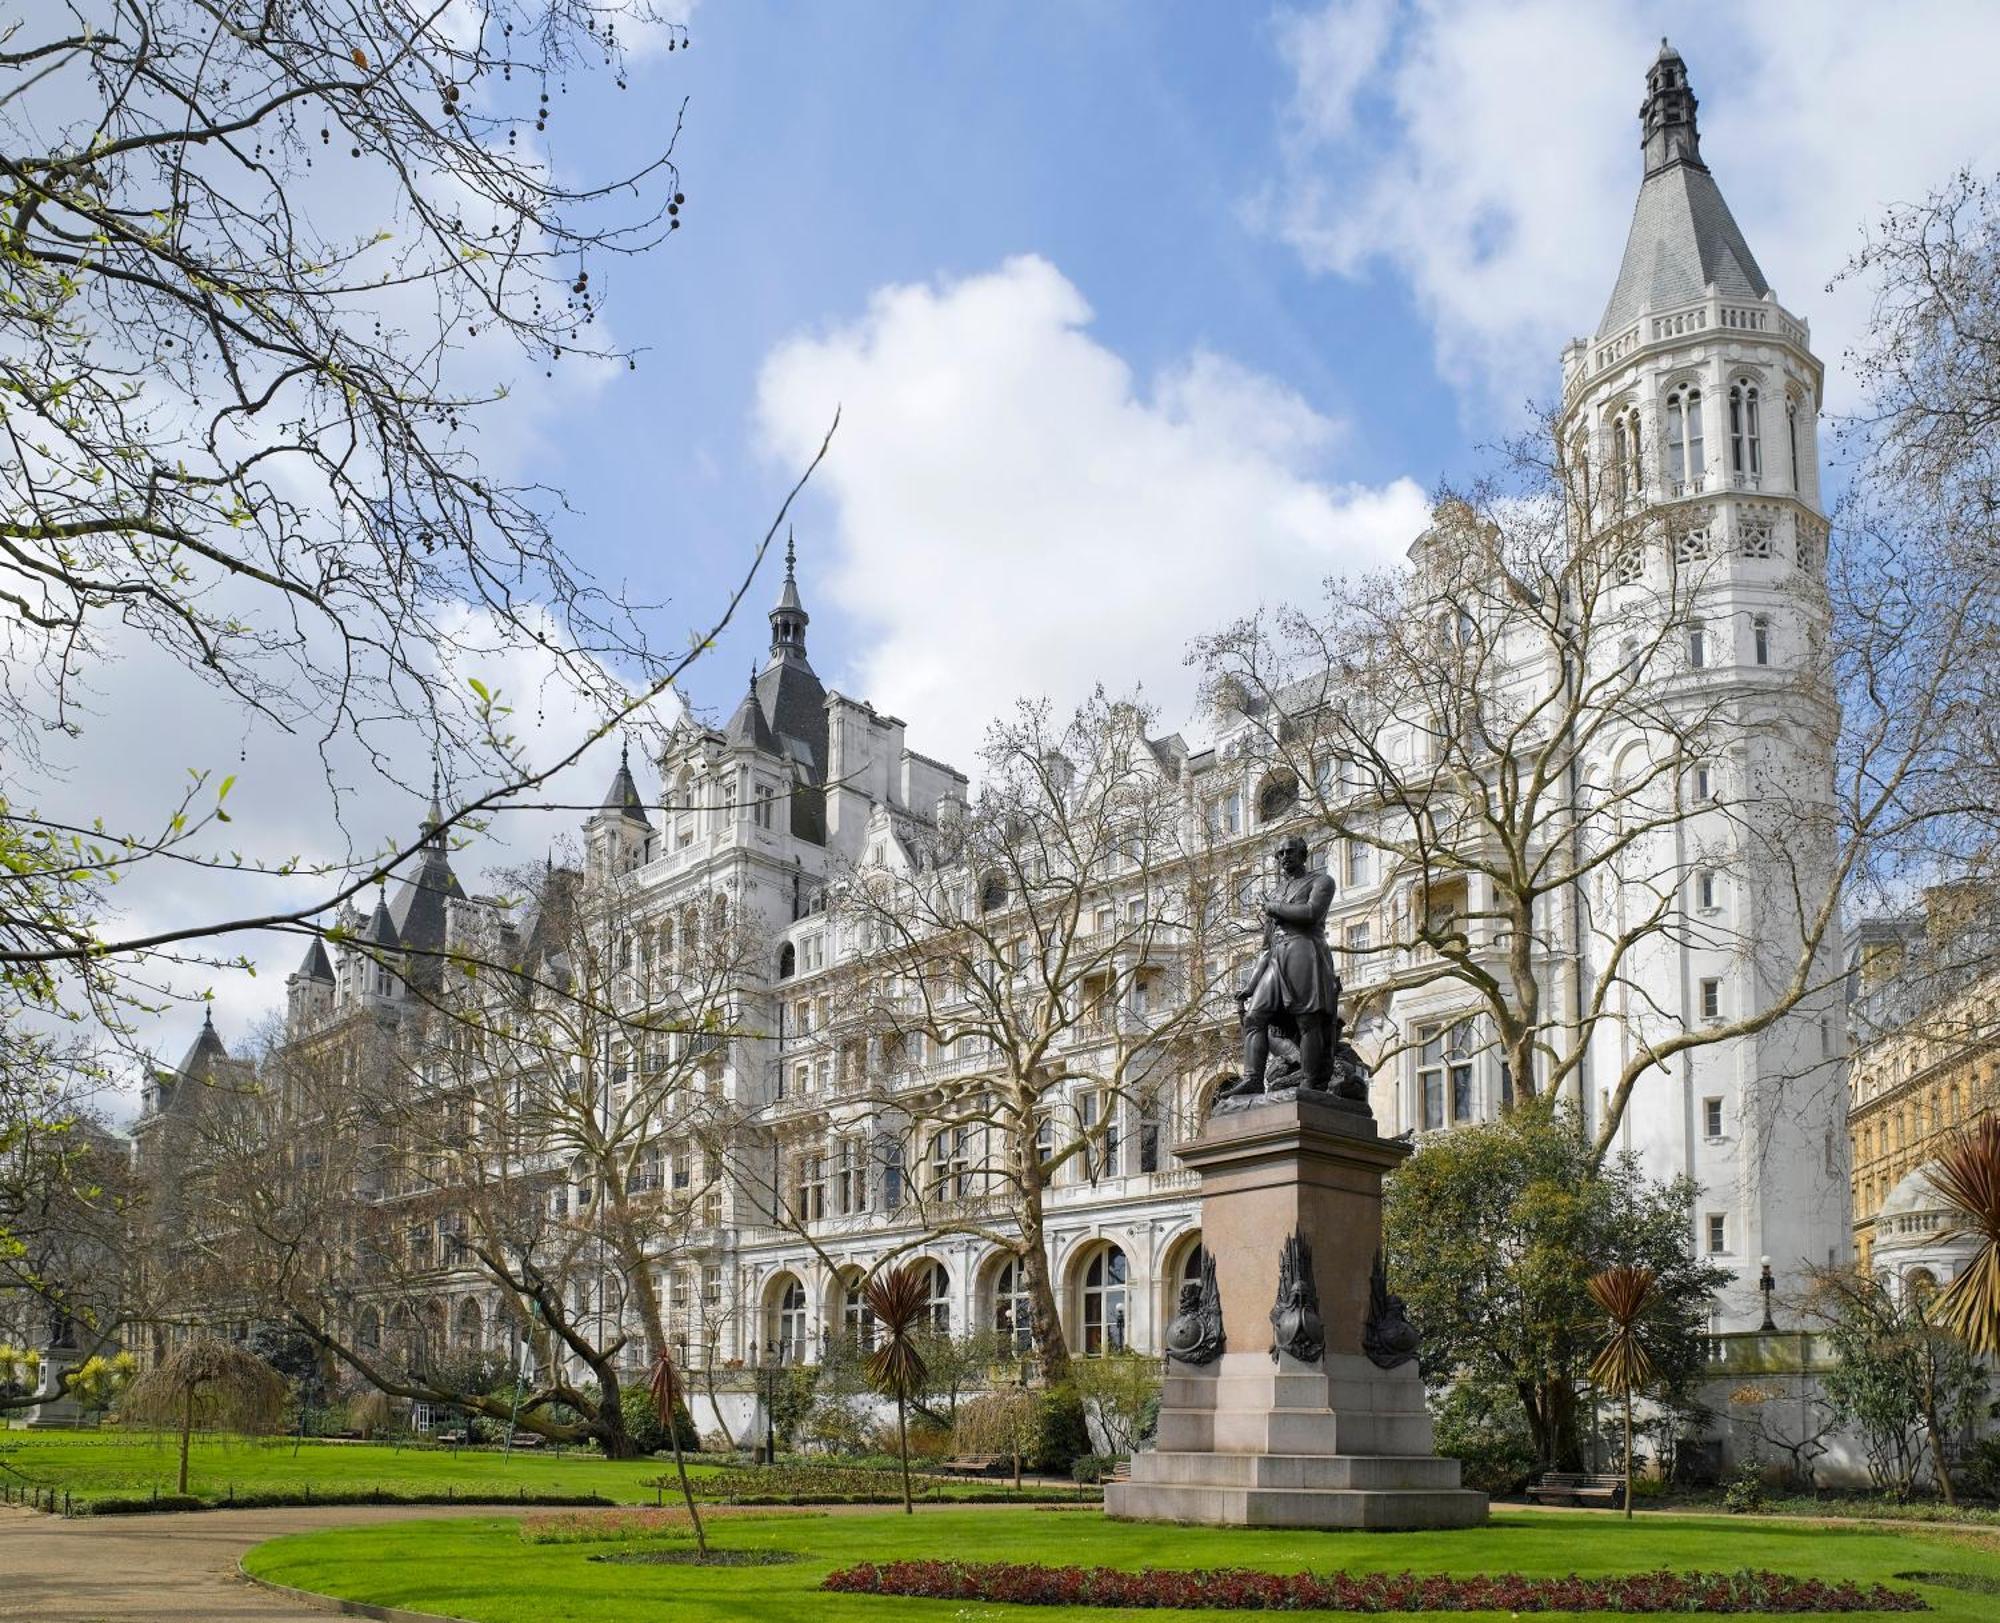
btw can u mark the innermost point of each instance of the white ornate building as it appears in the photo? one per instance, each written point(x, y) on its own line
point(1698, 392)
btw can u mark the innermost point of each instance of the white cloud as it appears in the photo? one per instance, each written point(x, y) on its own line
point(1016, 514)
point(1485, 152)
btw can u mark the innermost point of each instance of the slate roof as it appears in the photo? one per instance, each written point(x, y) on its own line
point(623, 796)
point(1683, 239)
point(316, 967)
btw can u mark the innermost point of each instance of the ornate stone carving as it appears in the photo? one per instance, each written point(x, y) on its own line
point(1296, 1326)
point(1388, 1338)
point(1195, 1336)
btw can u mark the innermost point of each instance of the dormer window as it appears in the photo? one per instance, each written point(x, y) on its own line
point(1746, 452)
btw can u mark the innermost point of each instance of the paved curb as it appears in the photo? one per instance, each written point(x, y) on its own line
point(344, 1608)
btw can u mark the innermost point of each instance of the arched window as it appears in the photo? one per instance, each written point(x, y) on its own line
point(788, 961)
point(788, 1319)
point(368, 1329)
point(1792, 437)
point(992, 891)
point(1746, 451)
point(1625, 457)
point(1104, 1302)
point(1013, 1316)
point(937, 1295)
point(1685, 462)
point(471, 1325)
point(857, 1318)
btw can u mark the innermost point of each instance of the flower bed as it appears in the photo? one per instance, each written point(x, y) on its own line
point(1236, 1589)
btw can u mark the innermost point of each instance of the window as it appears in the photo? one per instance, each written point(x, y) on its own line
point(951, 1163)
point(1697, 647)
point(1104, 1303)
point(1718, 1234)
point(1625, 457)
point(711, 1284)
point(937, 1295)
point(1711, 998)
point(1355, 938)
point(1149, 1137)
point(892, 1176)
point(1792, 437)
point(1704, 782)
point(683, 1169)
point(1013, 1316)
point(812, 1188)
point(1430, 1076)
point(1711, 1118)
point(1225, 816)
point(1746, 454)
point(857, 1318)
point(763, 812)
point(1760, 638)
point(1358, 863)
point(851, 1182)
point(1705, 890)
point(788, 1326)
point(1278, 798)
point(1684, 449)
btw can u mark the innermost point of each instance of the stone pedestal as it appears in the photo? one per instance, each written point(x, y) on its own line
point(1259, 1439)
point(55, 1409)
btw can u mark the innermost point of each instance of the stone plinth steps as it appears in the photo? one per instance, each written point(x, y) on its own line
point(1245, 1442)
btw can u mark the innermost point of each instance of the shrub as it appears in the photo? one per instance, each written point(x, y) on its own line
point(642, 1422)
point(1121, 1391)
point(998, 1424)
point(1486, 1432)
point(1062, 1433)
point(1236, 1589)
point(1094, 1467)
point(1743, 1488)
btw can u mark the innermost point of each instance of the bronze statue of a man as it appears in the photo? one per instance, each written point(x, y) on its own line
point(1294, 992)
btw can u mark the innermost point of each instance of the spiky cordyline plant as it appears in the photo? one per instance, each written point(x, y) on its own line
point(1627, 1296)
point(900, 1301)
point(664, 1383)
point(1967, 1175)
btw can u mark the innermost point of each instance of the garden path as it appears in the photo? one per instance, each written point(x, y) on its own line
point(177, 1568)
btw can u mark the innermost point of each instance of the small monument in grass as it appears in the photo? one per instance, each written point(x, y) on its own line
point(1292, 1397)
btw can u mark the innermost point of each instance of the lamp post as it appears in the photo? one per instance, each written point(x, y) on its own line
point(1767, 1284)
point(768, 1373)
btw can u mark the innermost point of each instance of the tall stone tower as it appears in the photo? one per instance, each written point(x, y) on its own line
point(1695, 409)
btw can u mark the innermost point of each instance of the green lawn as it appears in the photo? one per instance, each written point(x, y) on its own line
point(481, 1569)
point(96, 1465)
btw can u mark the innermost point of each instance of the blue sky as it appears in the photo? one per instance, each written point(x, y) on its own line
point(1393, 212)
point(1140, 315)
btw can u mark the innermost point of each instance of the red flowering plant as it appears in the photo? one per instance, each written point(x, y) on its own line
point(1242, 1590)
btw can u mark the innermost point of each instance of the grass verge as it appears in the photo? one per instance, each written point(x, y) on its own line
point(483, 1570)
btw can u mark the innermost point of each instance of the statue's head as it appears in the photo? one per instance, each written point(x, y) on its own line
point(1292, 854)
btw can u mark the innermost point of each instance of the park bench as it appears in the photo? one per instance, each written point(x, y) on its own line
point(972, 1465)
point(1579, 1488)
point(448, 1439)
point(527, 1439)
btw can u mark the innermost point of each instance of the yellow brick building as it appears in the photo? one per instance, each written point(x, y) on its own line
point(1926, 1056)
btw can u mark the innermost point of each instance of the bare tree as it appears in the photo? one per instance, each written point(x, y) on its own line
point(546, 1137)
point(1031, 995)
point(1521, 737)
point(269, 273)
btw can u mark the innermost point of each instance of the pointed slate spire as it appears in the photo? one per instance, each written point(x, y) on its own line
point(788, 617)
point(206, 1048)
point(380, 930)
point(317, 966)
point(434, 819)
point(1683, 240)
point(623, 798)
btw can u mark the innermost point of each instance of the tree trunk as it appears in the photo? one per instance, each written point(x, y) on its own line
point(1935, 1433)
point(687, 1493)
point(903, 1448)
point(187, 1431)
point(1628, 1453)
point(1045, 1319)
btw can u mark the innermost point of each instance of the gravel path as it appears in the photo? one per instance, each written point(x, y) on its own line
point(163, 1569)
